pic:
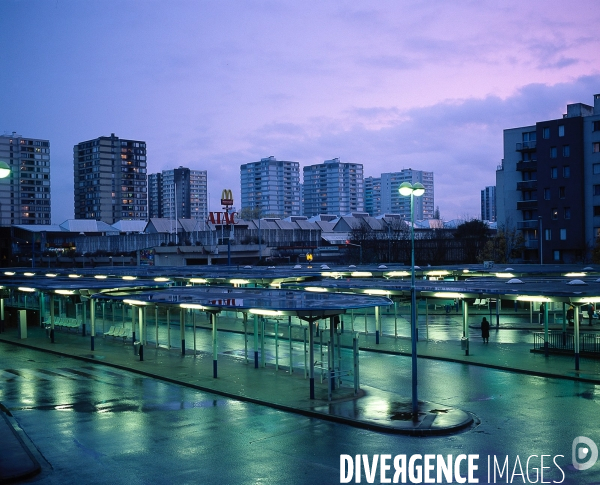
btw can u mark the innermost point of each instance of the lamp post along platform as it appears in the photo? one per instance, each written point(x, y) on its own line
point(413, 190)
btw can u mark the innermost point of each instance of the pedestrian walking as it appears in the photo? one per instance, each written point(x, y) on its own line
point(570, 315)
point(485, 330)
point(591, 312)
point(542, 309)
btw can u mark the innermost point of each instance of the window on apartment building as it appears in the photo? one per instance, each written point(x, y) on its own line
point(566, 171)
point(561, 192)
point(597, 210)
point(596, 147)
point(567, 212)
point(596, 189)
point(546, 133)
point(554, 214)
point(553, 152)
point(554, 172)
point(547, 194)
point(556, 255)
point(548, 234)
point(566, 150)
point(563, 234)
point(596, 126)
point(561, 130)
point(596, 168)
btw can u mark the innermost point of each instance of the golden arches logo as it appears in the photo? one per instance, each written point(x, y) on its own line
point(226, 197)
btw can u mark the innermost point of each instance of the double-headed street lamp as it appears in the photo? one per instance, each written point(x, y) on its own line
point(413, 190)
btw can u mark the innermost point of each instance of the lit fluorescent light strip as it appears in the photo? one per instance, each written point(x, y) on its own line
point(533, 298)
point(135, 302)
point(260, 311)
point(192, 306)
point(448, 295)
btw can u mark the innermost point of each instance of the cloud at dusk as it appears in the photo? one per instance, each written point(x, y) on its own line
point(213, 85)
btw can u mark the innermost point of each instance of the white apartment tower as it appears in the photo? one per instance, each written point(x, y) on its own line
point(271, 186)
point(25, 193)
point(394, 203)
point(333, 187)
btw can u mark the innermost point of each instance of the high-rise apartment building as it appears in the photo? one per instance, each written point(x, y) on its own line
point(394, 203)
point(548, 185)
point(373, 195)
point(271, 187)
point(155, 208)
point(333, 187)
point(488, 204)
point(25, 193)
point(110, 179)
point(179, 193)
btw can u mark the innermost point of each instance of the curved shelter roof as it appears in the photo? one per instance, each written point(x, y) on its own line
point(560, 289)
point(302, 304)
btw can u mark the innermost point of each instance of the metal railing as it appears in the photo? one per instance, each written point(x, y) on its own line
point(564, 341)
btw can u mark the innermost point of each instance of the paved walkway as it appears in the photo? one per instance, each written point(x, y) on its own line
point(370, 408)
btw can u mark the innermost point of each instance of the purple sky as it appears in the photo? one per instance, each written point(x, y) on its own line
point(210, 85)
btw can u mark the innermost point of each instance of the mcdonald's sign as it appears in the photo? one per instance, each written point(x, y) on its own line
point(226, 197)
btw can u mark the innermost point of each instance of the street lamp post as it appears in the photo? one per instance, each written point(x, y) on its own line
point(359, 248)
point(413, 190)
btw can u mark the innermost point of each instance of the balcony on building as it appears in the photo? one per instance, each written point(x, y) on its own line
point(526, 146)
point(532, 244)
point(527, 205)
point(531, 224)
point(527, 185)
point(526, 166)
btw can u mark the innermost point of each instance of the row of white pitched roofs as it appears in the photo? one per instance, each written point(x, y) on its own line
point(323, 223)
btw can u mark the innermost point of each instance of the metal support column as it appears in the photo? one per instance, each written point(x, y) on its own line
point(194, 329)
point(498, 304)
point(426, 319)
point(156, 323)
point(83, 318)
point(92, 321)
point(377, 325)
point(576, 337)
point(51, 316)
point(182, 330)
point(141, 319)
point(256, 341)
point(465, 306)
point(213, 321)
point(311, 358)
point(546, 329)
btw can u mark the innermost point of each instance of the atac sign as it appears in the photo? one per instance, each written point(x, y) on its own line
point(225, 218)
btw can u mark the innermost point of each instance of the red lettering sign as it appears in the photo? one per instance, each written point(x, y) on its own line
point(222, 218)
